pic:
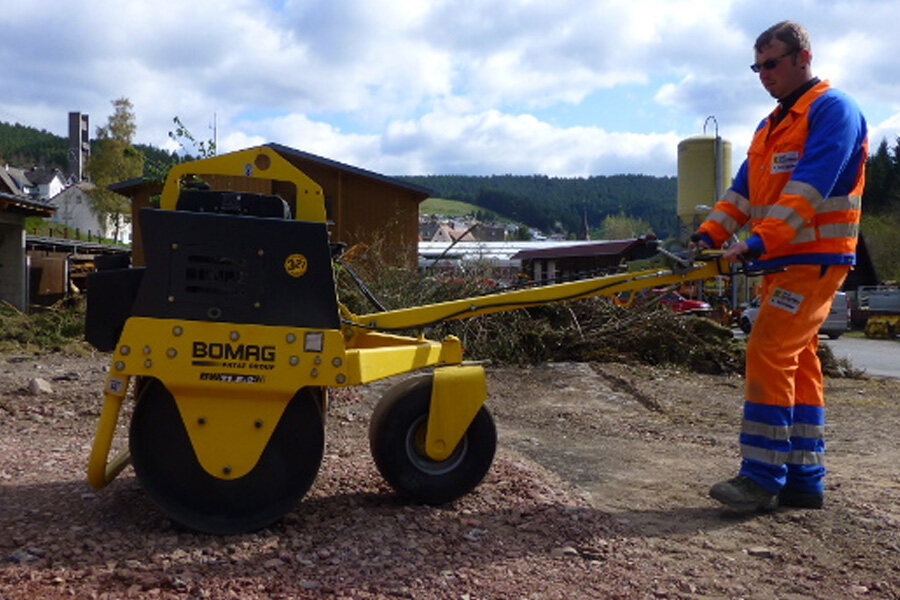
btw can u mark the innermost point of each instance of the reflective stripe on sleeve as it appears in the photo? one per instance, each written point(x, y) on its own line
point(739, 202)
point(786, 214)
point(798, 188)
point(725, 220)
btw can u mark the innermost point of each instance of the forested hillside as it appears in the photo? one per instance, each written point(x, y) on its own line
point(560, 204)
point(22, 146)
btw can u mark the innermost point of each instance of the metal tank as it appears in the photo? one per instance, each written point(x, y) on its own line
point(704, 173)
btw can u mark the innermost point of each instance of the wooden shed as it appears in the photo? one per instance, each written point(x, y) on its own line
point(361, 206)
point(13, 261)
point(579, 261)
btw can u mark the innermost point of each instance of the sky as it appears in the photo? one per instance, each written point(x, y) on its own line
point(562, 88)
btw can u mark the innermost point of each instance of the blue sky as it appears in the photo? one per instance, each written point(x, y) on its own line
point(555, 87)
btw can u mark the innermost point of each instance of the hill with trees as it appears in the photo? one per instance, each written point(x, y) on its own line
point(23, 146)
point(561, 205)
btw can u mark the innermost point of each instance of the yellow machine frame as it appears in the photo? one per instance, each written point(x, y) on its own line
point(229, 422)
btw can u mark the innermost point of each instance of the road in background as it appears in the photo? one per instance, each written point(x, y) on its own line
point(879, 358)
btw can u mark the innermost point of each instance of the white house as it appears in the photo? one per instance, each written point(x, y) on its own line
point(73, 209)
point(38, 183)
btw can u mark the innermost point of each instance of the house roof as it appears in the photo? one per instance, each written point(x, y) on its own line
point(76, 189)
point(130, 185)
point(42, 175)
point(610, 248)
point(287, 151)
point(11, 178)
point(25, 205)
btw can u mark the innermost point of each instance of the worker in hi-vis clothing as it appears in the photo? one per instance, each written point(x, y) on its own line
point(800, 188)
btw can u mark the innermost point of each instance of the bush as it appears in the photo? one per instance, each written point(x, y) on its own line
point(55, 328)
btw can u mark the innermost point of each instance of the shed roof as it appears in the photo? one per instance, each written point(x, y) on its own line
point(287, 152)
point(25, 205)
point(126, 188)
point(608, 248)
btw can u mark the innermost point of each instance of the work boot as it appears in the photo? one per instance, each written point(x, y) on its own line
point(797, 499)
point(742, 494)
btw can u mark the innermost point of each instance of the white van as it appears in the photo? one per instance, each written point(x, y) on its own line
point(837, 322)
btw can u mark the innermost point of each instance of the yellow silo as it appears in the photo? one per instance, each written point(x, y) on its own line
point(704, 173)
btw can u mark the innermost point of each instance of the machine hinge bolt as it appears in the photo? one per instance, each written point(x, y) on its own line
point(336, 361)
point(125, 350)
point(119, 365)
point(234, 336)
point(171, 352)
point(147, 350)
point(341, 378)
point(201, 421)
point(294, 360)
point(148, 363)
point(177, 330)
point(175, 246)
point(260, 252)
point(226, 470)
point(171, 298)
point(314, 373)
point(317, 360)
point(258, 423)
point(291, 338)
point(257, 304)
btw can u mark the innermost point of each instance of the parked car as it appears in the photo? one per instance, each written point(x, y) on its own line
point(837, 322)
point(679, 303)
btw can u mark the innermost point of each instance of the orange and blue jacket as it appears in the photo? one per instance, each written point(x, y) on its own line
point(800, 186)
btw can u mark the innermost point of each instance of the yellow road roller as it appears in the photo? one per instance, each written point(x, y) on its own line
point(230, 335)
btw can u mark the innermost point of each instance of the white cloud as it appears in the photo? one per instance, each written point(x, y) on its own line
point(432, 85)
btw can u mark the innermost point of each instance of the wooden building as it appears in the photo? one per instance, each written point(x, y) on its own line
point(14, 279)
point(361, 206)
point(579, 261)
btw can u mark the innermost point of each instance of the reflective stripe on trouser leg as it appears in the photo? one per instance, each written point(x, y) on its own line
point(784, 379)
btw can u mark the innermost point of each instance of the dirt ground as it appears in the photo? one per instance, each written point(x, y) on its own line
point(598, 490)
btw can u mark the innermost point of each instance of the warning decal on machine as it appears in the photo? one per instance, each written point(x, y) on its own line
point(786, 300)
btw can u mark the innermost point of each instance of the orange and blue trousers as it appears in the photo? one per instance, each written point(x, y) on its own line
point(782, 436)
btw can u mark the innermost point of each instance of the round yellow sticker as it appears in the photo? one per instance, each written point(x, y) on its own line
point(295, 265)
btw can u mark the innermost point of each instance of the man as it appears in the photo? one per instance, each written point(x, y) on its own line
point(800, 189)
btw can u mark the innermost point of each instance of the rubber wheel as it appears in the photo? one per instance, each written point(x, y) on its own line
point(397, 441)
point(167, 467)
point(745, 325)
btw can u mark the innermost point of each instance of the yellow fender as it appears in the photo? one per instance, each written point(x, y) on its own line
point(457, 394)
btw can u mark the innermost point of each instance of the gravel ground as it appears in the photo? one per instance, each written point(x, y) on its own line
point(597, 491)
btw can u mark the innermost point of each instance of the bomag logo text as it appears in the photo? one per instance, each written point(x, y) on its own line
point(233, 352)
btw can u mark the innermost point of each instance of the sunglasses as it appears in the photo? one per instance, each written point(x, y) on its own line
point(771, 63)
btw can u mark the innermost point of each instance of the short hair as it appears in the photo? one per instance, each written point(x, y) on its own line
point(792, 34)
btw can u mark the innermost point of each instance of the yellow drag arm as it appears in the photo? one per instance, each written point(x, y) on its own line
point(610, 285)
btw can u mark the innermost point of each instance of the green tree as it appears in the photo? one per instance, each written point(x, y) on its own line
point(114, 159)
point(622, 227)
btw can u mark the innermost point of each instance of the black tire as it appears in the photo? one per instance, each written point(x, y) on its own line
point(745, 325)
point(168, 469)
point(397, 440)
